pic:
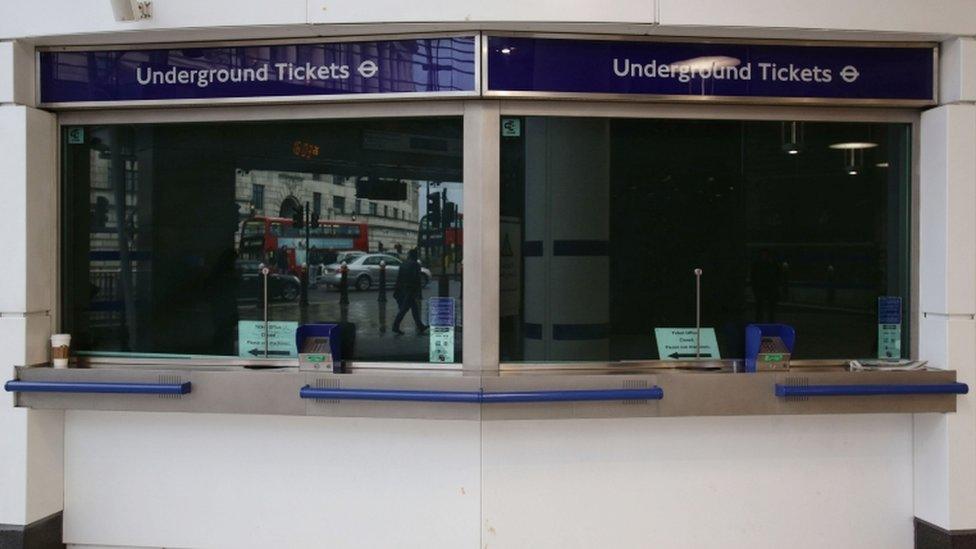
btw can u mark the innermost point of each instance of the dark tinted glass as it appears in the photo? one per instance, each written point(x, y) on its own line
point(605, 220)
point(168, 226)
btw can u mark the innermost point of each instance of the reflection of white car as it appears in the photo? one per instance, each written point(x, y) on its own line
point(364, 271)
point(348, 256)
point(318, 270)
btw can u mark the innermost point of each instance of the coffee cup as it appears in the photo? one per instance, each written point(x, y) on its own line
point(60, 347)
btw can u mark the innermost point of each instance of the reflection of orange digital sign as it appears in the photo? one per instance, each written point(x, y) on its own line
point(304, 150)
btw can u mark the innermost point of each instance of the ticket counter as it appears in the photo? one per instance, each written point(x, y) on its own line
point(515, 234)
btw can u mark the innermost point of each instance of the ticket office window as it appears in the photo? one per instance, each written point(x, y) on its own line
point(603, 222)
point(167, 228)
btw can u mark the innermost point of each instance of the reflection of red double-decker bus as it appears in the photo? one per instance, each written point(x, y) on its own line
point(275, 241)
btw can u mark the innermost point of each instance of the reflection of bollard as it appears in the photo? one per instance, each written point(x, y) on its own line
point(343, 284)
point(444, 285)
point(382, 317)
point(382, 294)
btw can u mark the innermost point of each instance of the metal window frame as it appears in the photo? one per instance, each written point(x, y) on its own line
point(310, 111)
point(481, 151)
point(750, 112)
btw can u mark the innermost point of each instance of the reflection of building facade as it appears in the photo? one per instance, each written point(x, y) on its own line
point(279, 194)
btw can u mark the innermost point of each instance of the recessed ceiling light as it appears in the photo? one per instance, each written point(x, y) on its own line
point(506, 51)
point(854, 145)
point(881, 165)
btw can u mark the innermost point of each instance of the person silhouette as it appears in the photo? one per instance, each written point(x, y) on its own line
point(408, 292)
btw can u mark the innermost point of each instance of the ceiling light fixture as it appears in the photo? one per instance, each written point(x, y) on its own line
point(854, 145)
point(791, 137)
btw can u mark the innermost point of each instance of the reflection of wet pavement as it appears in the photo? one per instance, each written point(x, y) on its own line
point(375, 339)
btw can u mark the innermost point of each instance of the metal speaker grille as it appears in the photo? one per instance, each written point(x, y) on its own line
point(797, 382)
point(635, 384)
point(326, 383)
point(171, 379)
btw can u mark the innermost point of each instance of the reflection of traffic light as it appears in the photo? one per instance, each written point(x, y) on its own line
point(450, 213)
point(434, 209)
point(298, 218)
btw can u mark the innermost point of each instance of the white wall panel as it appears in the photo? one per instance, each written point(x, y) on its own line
point(27, 212)
point(798, 482)
point(13, 211)
point(957, 74)
point(207, 480)
point(947, 227)
point(356, 11)
point(945, 17)
point(17, 70)
point(31, 483)
point(26, 19)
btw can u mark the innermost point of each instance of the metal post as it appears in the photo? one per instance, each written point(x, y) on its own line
point(343, 284)
point(381, 297)
point(698, 273)
point(306, 216)
point(264, 275)
point(443, 285)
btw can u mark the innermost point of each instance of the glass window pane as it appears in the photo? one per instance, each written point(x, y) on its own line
point(167, 227)
point(605, 220)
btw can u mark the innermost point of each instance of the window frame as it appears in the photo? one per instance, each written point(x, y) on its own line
point(481, 120)
point(270, 113)
point(759, 112)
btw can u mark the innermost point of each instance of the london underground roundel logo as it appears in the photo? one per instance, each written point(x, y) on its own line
point(849, 73)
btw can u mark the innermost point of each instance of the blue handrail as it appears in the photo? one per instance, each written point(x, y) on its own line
point(388, 394)
point(17, 386)
point(480, 396)
point(651, 393)
point(871, 390)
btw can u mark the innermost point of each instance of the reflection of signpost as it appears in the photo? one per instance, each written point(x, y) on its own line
point(280, 342)
point(681, 343)
point(889, 327)
point(441, 318)
point(510, 283)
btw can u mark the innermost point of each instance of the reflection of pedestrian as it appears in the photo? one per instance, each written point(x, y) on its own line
point(765, 286)
point(408, 292)
point(281, 260)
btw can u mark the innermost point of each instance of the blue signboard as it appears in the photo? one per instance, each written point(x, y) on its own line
point(440, 311)
point(442, 66)
point(674, 70)
point(889, 310)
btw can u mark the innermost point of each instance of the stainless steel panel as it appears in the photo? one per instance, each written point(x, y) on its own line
point(567, 410)
point(686, 393)
point(361, 408)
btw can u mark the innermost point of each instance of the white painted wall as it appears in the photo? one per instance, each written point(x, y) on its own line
point(945, 444)
point(30, 441)
point(181, 480)
point(733, 482)
point(93, 18)
point(943, 17)
point(236, 481)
